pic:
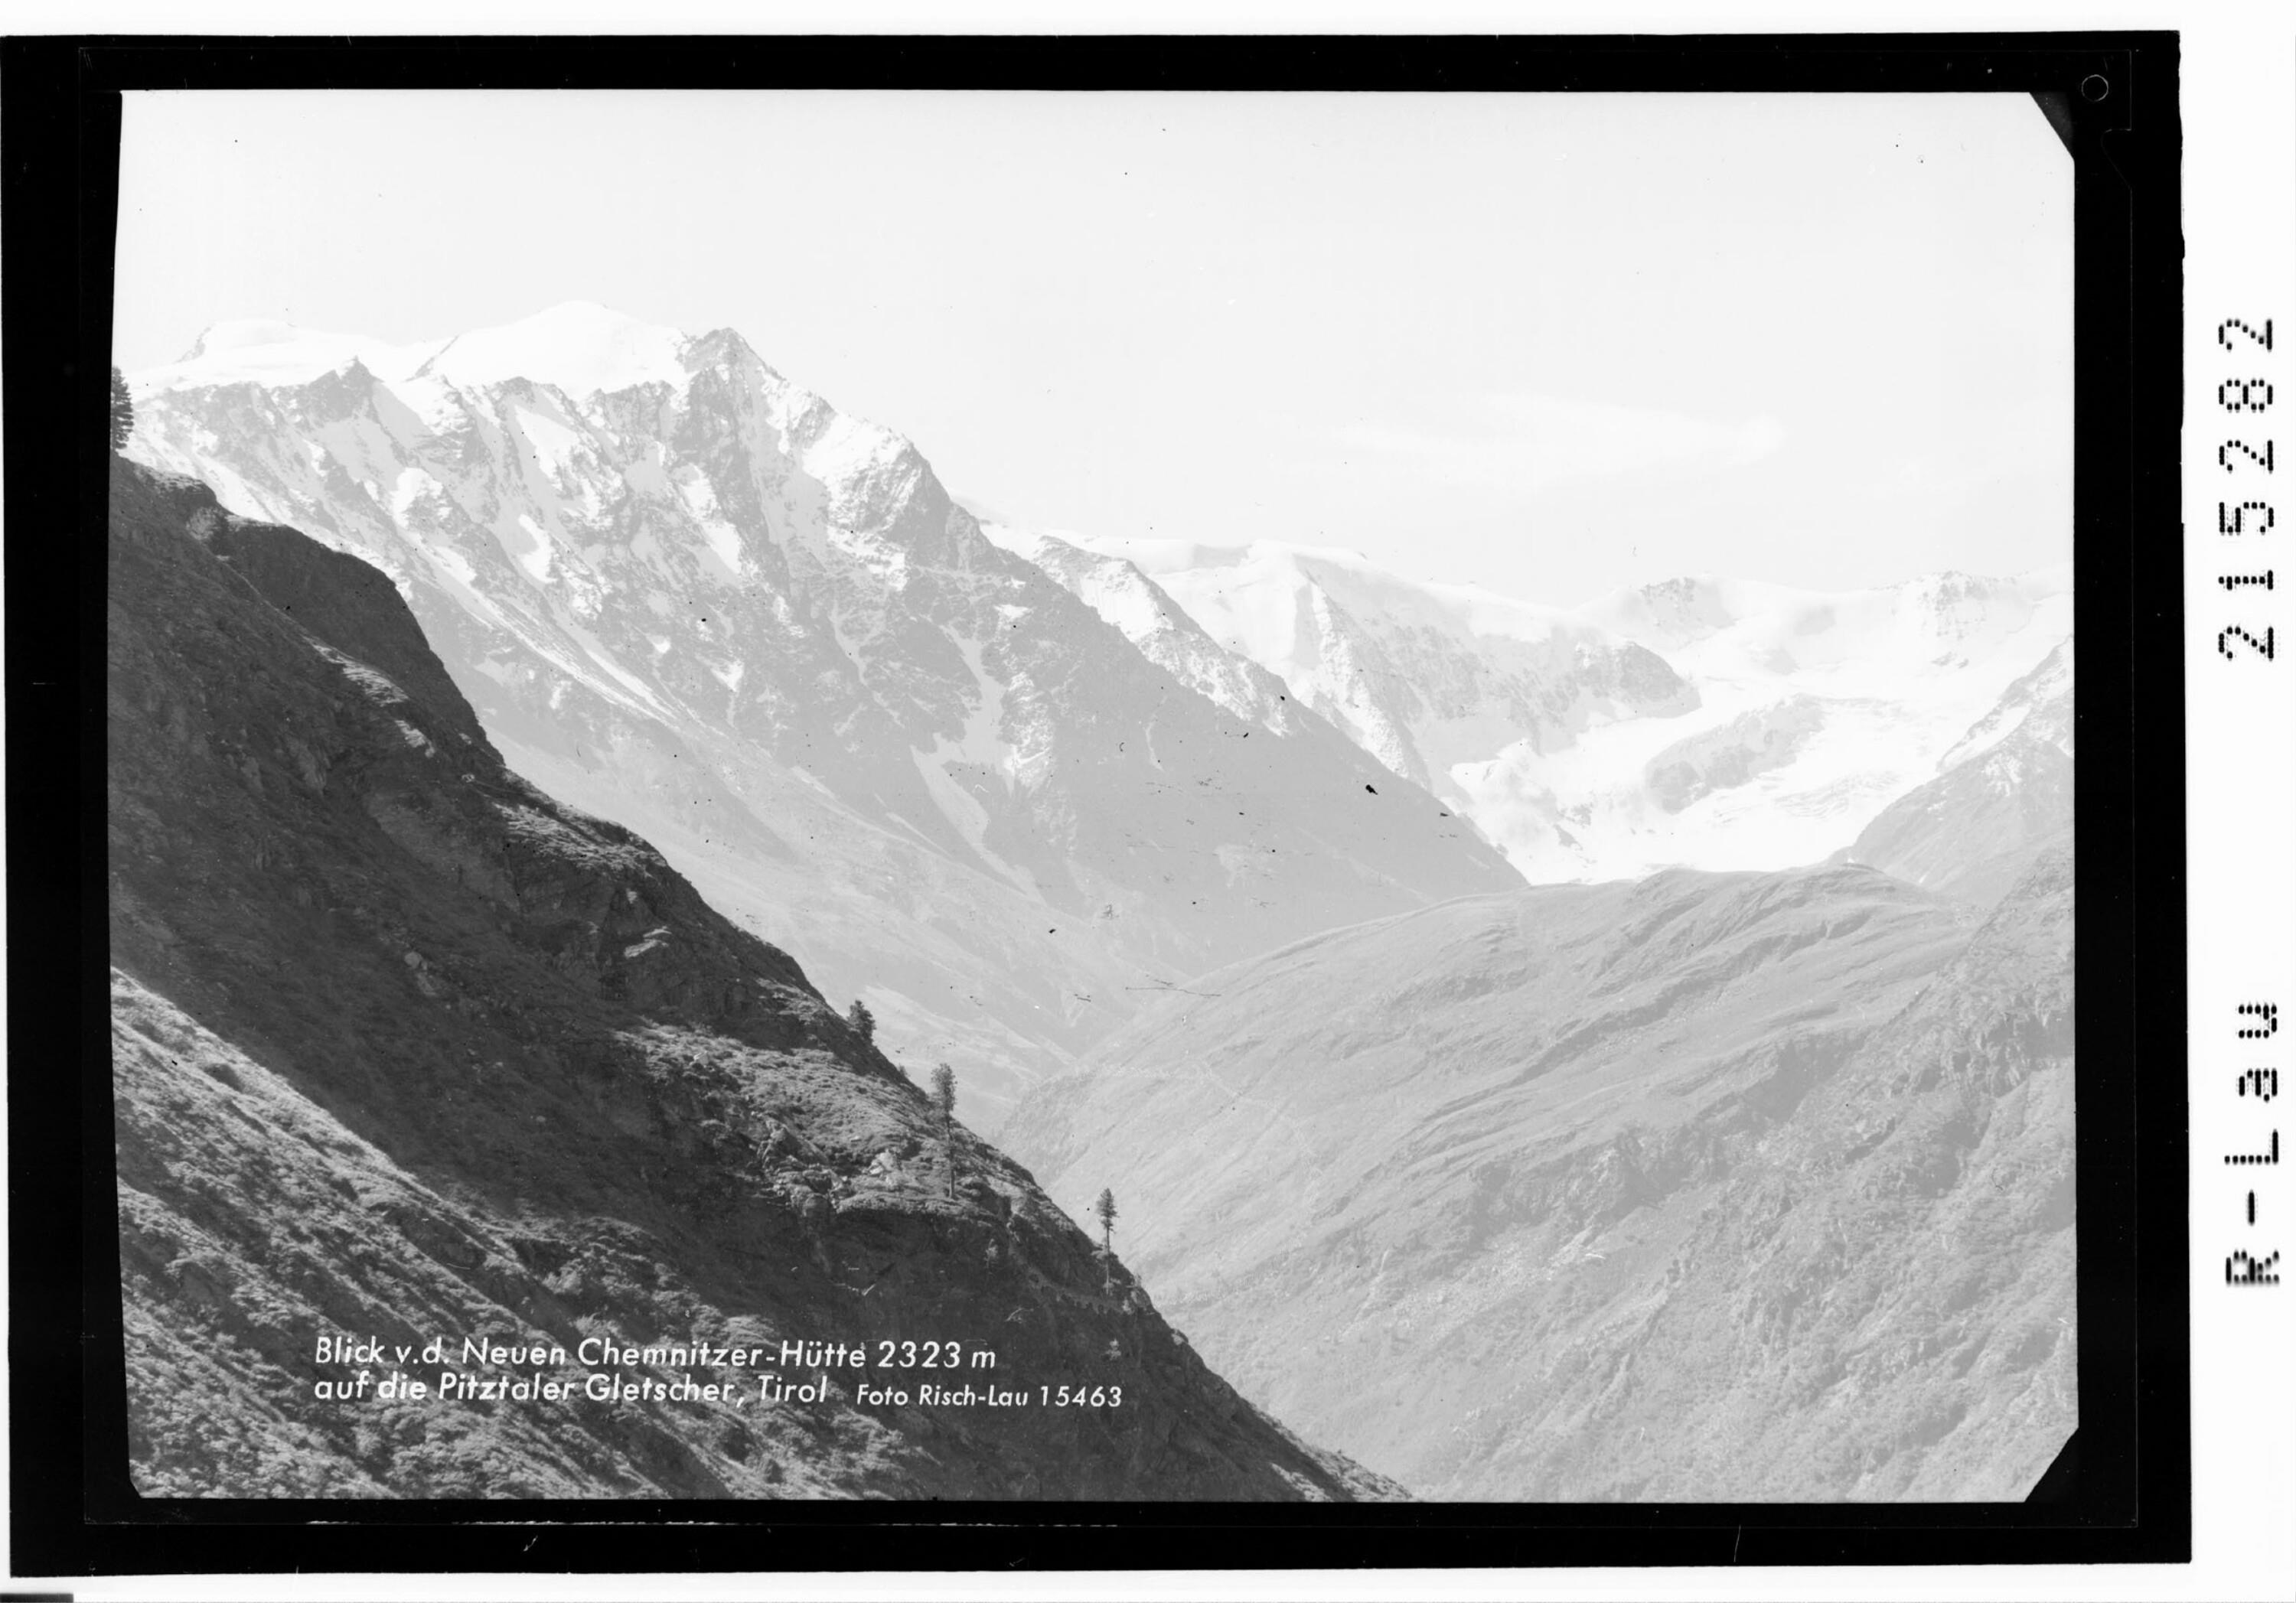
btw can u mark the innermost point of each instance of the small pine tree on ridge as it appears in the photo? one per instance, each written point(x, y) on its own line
point(944, 1096)
point(123, 411)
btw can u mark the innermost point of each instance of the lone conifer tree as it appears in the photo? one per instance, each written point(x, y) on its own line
point(943, 1094)
point(1104, 1210)
point(123, 411)
point(864, 1022)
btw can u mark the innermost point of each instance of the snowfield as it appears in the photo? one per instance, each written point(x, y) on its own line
point(1774, 726)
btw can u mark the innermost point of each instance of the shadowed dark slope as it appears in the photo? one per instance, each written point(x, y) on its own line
point(404, 1049)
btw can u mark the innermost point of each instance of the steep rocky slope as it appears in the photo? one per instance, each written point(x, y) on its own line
point(685, 593)
point(1881, 1304)
point(1129, 600)
point(1711, 1186)
point(2002, 795)
point(405, 1050)
point(1972, 831)
point(2039, 704)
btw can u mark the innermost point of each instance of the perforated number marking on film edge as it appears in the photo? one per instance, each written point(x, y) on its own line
point(2257, 1021)
point(2257, 1087)
point(2249, 397)
point(2245, 395)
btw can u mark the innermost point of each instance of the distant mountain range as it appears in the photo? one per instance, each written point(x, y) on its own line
point(1698, 722)
point(754, 607)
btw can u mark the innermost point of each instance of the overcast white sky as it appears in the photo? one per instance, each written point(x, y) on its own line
point(1546, 344)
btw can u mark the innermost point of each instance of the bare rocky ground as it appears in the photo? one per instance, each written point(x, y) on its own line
point(405, 1049)
point(1974, 831)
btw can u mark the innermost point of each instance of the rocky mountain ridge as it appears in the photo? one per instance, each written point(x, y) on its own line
point(685, 593)
point(2004, 795)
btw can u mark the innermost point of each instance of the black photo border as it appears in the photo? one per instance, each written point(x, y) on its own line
point(2122, 1491)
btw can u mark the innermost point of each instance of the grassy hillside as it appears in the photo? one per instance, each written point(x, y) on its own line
point(1711, 1186)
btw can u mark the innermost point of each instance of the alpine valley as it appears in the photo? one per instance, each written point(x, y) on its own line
point(1613, 1050)
point(686, 594)
point(1715, 1185)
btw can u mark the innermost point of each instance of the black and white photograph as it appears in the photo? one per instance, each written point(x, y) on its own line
point(1106, 797)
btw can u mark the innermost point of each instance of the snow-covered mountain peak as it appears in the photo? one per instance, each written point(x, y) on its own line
point(1259, 590)
point(1704, 720)
point(578, 347)
point(1127, 600)
point(1747, 628)
point(1162, 556)
point(268, 352)
point(603, 365)
point(1422, 676)
point(1671, 612)
point(242, 333)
